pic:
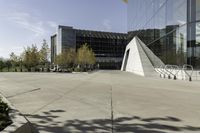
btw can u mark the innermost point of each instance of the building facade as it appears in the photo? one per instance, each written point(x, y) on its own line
point(170, 28)
point(108, 47)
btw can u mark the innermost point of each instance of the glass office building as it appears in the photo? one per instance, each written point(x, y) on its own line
point(108, 47)
point(170, 28)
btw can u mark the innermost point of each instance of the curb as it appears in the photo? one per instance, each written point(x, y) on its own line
point(19, 122)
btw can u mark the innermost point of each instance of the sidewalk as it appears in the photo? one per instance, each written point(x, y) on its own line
point(105, 101)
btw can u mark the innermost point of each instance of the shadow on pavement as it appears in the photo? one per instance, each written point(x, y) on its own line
point(47, 122)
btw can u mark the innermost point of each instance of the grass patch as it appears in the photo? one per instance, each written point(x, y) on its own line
point(4, 115)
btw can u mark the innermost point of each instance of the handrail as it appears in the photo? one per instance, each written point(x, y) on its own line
point(169, 70)
point(175, 69)
point(185, 68)
point(161, 71)
point(172, 70)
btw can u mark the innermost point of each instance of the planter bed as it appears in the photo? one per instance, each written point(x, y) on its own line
point(13, 121)
point(4, 115)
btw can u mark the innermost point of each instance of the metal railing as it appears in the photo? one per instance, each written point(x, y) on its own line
point(160, 70)
point(188, 69)
point(171, 71)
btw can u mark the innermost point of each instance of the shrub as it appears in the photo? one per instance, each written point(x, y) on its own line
point(77, 69)
point(4, 115)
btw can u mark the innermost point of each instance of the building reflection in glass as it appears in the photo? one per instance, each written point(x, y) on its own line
point(170, 28)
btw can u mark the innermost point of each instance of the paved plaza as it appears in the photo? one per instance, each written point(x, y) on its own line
point(104, 101)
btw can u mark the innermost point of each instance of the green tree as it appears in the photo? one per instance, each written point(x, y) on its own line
point(66, 59)
point(2, 64)
point(59, 59)
point(70, 57)
point(43, 53)
point(31, 57)
point(126, 1)
point(14, 60)
point(8, 64)
point(85, 56)
point(81, 55)
point(4, 115)
point(91, 57)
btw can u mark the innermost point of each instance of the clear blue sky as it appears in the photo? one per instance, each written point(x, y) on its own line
point(26, 22)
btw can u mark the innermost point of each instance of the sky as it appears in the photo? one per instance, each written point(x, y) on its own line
point(27, 22)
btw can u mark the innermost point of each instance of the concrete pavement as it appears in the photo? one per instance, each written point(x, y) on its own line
point(104, 101)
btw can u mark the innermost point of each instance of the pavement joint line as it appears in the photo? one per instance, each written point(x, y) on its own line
point(112, 112)
point(125, 96)
point(61, 96)
point(18, 94)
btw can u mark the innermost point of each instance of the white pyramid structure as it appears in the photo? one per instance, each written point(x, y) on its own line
point(139, 59)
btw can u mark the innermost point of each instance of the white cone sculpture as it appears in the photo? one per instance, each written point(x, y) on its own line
point(139, 59)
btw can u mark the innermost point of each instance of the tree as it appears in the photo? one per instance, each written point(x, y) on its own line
point(43, 53)
point(70, 57)
point(81, 55)
point(8, 64)
point(14, 59)
point(66, 59)
point(31, 57)
point(91, 57)
point(126, 1)
point(85, 56)
point(2, 64)
point(59, 60)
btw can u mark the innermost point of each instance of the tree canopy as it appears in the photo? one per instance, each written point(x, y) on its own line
point(44, 53)
point(85, 56)
point(31, 56)
point(67, 58)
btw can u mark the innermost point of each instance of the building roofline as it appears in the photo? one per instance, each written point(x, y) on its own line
point(100, 31)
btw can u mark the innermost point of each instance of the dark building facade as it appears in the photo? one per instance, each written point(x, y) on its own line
point(108, 47)
point(170, 28)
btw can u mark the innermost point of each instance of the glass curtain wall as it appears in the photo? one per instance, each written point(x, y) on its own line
point(103, 44)
point(162, 26)
point(194, 40)
point(108, 47)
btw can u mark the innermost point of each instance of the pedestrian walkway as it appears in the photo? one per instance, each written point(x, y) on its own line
point(104, 101)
